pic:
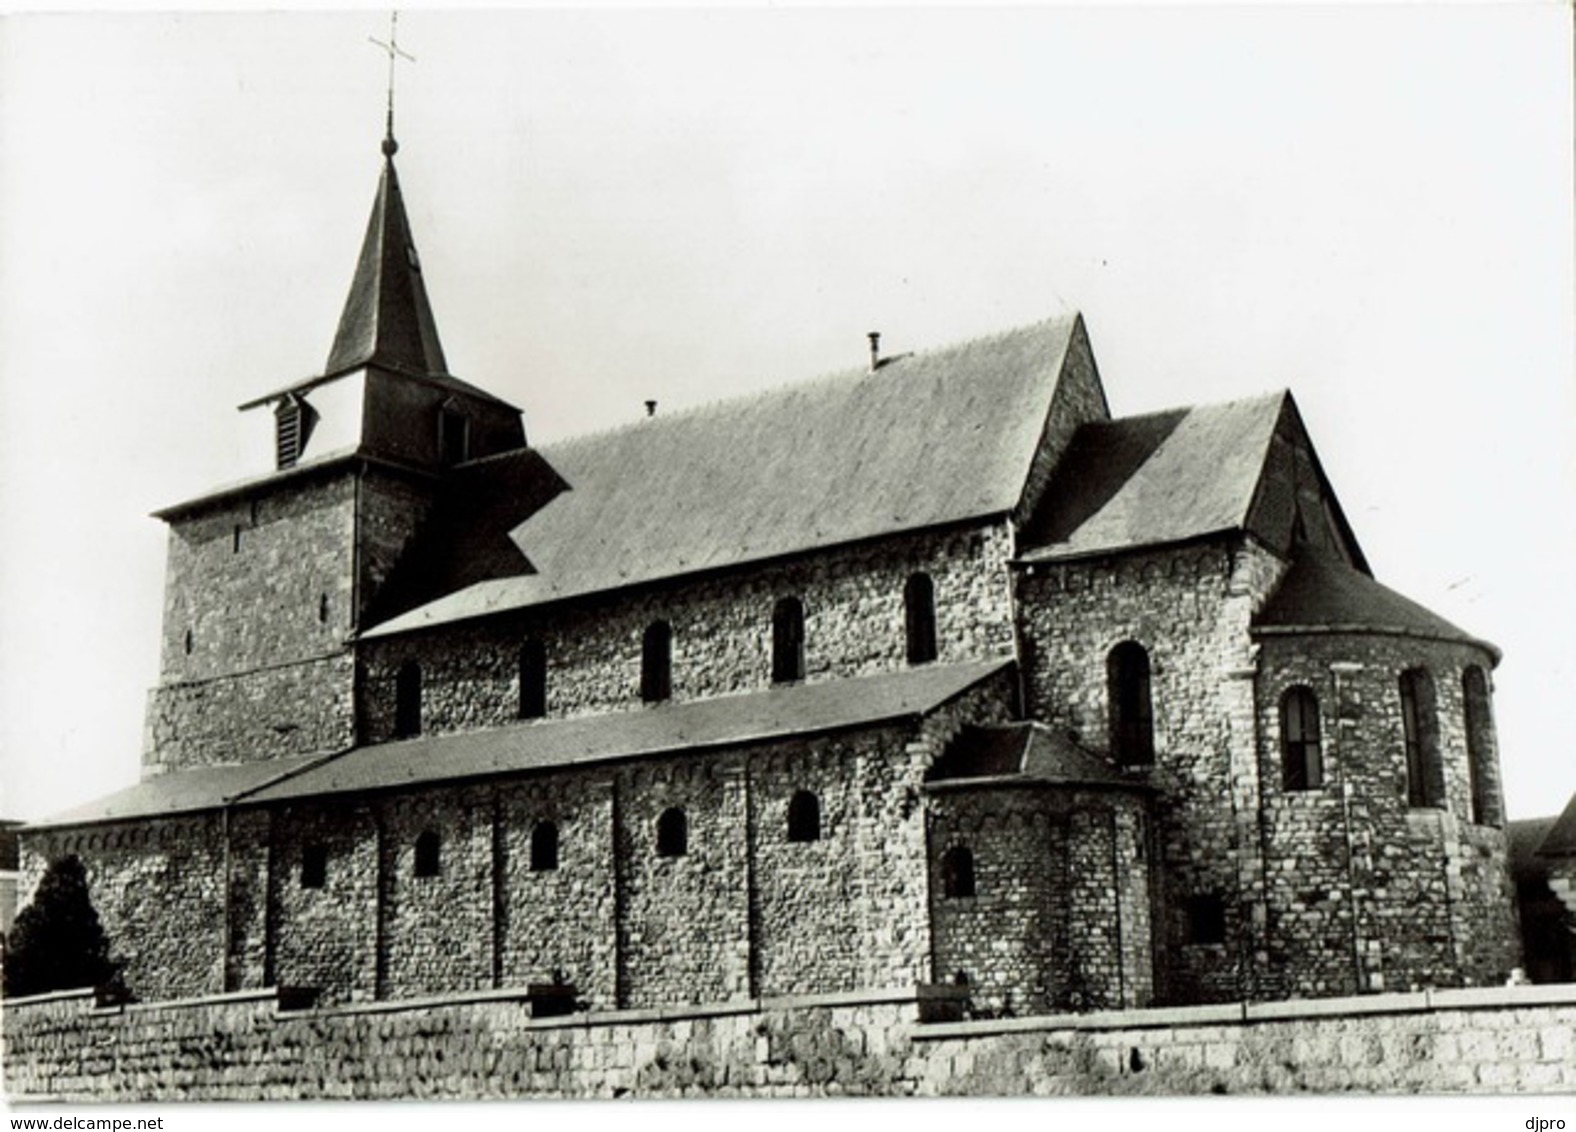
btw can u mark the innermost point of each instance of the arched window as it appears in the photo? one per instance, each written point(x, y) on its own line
point(656, 663)
point(1425, 773)
point(1132, 717)
point(533, 679)
point(1302, 759)
point(787, 641)
point(919, 618)
point(957, 872)
point(427, 853)
point(1481, 763)
point(804, 817)
point(314, 866)
point(322, 609)
point(407, 700)
point(544, 847)
point(672, 833)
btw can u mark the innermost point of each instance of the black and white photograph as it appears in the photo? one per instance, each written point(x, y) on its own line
point(766, 553)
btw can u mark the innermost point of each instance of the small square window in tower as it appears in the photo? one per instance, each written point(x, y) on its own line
point(454, 435)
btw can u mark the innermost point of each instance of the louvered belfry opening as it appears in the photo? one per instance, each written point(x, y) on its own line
point(293, 419)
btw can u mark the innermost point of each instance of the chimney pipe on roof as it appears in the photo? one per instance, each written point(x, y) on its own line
point(875, 350)
point(651, 408)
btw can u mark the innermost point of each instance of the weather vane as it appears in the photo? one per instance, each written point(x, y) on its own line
point(392, 49)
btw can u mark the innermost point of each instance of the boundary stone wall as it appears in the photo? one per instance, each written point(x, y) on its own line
point(487, 1045)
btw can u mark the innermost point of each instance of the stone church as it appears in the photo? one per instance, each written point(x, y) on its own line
point(928, 673)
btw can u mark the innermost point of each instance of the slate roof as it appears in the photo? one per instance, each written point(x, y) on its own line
point(1031, 752)
point(671, 728)
point(387, 318)
point(928, 439)
point(1159, 478)
point(1322, 593)
point(1560, 841)
point(183, 791)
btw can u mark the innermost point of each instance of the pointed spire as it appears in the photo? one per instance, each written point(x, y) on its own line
point(387, 320)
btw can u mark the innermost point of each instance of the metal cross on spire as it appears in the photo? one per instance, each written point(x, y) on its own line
point(392, 49)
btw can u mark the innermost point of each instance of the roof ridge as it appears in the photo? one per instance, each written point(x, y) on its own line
point(1276, 395)
point(795, 385)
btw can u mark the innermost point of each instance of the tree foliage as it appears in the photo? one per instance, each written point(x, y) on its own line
point(57, 942)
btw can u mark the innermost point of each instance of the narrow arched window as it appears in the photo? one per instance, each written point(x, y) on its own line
point(322, 609)
point(544, 847)
point(919, 618)
point(407, 700)
point(1425, 773)
point(957, 872)
point(1132, 715)
point(533, 679)
point(1481, 764)
point(656, 663)
point(1302, 759)
point(787, 641)
point(314, 866)
point(804, 817)
point(672, 833)
point(427, 853)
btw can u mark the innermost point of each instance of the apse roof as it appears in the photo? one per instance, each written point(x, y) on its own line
point(1029, 752)
point(1321, 592)
point(927, 439)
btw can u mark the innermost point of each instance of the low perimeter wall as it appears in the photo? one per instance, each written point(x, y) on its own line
point(244, 1047)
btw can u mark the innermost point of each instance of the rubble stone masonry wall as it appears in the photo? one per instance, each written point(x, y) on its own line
point(1190, 609)
point(722, 633)
point(243, 1047)
point(1369, 892)
point(335, 894)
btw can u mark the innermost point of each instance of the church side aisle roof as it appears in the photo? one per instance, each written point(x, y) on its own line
point(928, 439)
point(671, 728)
point(1159, 478)
point(183, 791)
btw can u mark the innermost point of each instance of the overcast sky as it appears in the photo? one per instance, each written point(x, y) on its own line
point(1370, 206)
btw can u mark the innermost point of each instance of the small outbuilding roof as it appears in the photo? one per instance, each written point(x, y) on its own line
point(1030, 752)
point(1155, 479)
point(927, 439)
point(1321, 593)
